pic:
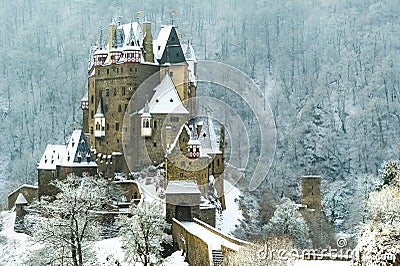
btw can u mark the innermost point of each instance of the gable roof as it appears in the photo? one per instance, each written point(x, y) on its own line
point(76, 154)
point(78, 151)
point(166, 99)
point(51, 157)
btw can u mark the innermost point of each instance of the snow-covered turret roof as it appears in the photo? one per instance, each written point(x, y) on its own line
point(166, 99)
point(208, 138)
point(189, 52)
point(21, 200)
point(85, 98)
point(99, 112)
point(182, 187)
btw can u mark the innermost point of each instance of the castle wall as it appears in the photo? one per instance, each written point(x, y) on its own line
point(30, 193)
point(115, 84)
point(46, 177)
point(196, 250)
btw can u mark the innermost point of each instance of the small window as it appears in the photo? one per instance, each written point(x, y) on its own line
point(122, 70)
point(126, 107)
point(107, 126)
point(130, 69)
point(181, 174)
point(98, 72)
point(108, 71)
point(119, 108)
point(91, 130)
point(177, 54)
point(155, 123)
point(182, 164)
point(92, 99)
point(171, 74)
point(155, 144)
point(123, 91)
point(92, 114)
point(106, 108)
point(115, 91)
point(117, 70)
point(116, 126)
point(107, 92)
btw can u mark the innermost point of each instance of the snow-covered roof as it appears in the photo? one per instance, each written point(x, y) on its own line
point(85, 98)
point(208, 138)
point(76, 154)
point(188, 131)
point(189, 52)
point(21, 200)
point(132, 31)
point(51, 157)
point(182, 187)
point(166, 99)
point(161, 41)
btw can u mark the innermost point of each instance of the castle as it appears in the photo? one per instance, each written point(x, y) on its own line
point(140, 110)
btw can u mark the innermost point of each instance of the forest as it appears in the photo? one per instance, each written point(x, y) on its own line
point(329, 69)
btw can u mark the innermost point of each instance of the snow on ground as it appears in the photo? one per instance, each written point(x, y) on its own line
point(176, 259)
point(321, 262)
point(14, 246)
point(109, 250)
point(227, 221)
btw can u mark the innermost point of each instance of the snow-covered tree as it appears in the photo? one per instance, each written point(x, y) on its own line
point(142, 233)
point(287, 220)
point(390, 172)
point(379, 242)
point(67, 226)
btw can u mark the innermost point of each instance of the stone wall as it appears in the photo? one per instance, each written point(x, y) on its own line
point(46, 177)
point(115, 84)
point(30, 193)
point(196, 250)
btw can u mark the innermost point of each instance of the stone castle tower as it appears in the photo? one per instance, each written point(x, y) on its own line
point(117, 69)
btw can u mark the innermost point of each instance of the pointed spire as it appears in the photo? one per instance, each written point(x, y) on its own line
point(100, 110)
point(131, 36)
point(146, 106)
point(188, 50)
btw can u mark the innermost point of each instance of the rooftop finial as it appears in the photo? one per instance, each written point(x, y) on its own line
point(101, 39)
point(173, 13)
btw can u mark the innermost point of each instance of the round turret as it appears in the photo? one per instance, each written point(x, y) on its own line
point(100, 56)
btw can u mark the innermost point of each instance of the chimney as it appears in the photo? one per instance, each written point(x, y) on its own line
point(148, 42)
point(110, 41)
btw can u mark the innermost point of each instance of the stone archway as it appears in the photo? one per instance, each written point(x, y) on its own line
point(183, 213)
